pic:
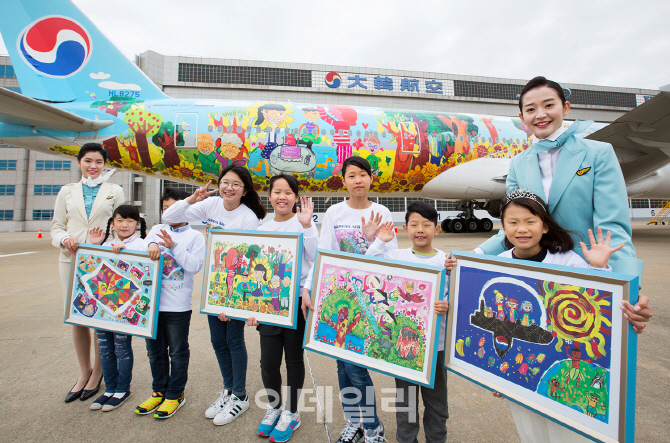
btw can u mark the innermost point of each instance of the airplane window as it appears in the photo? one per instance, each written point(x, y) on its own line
point(332, 132)
point(367, 134)
point(497, 139)
point(323, 132)
point(229, 129)
point(219, 128)
point(239, 129)
point(248, 128)
point(285, 130)
point(461, 138)
point(268, 129)
point(490, 140)
point(358, 133)
point(341, 133)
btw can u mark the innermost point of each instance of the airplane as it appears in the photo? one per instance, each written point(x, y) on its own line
point(77, 87)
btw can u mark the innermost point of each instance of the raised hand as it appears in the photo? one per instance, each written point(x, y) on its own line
point(201, 193)
point(154, 251)
point(386, 232)
point(372, 226)
point(116, 247)
point(305, 212)
point(600, 251)
point(96, 235)
point(167, 240)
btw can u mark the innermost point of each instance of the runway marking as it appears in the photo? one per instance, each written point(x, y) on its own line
point(20, 253)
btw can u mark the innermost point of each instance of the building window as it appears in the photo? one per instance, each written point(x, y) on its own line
point(637, 203)
point(321, 204)
point(7, 71)
point(244, 75)
point(52, 165)
point(393, 204)
point(6, 214)
point(43, 214)
point(47, 189)
point(442, 205)
point(7, 189)
point(7, 165)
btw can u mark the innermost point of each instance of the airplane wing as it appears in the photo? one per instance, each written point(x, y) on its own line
point(641, 137)
point(18, 109)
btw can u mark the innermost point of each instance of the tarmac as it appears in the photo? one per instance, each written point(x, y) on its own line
point(38, 366)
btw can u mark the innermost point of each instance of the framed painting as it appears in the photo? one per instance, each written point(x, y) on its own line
point(548, 337)
point(376, 313)
point(253, 274)
point(115, 292)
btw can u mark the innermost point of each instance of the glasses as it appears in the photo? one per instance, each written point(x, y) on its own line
point(235, 185)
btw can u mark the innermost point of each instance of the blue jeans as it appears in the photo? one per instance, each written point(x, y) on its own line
point(116, 354)
point(169, 354)
point(357, 394)
point(231, 353)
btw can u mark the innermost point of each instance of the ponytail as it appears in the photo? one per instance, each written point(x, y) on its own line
point(109, 228)
point(143, 228)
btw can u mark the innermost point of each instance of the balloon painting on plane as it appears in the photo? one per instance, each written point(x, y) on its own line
point(406, 149)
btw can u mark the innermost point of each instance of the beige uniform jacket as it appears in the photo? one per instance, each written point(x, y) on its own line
point(70, 213)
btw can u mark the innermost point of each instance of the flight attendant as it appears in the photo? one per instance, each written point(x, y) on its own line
point(79, 208)
point(582, 183)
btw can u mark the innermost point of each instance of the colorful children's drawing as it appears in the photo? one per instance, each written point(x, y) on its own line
point(355, 317)
point(253, 274)
point(114, 291)
point(553, 341)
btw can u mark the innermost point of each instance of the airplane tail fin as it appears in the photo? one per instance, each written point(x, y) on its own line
point(60, 56)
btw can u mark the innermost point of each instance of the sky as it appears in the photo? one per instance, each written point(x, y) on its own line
point(594, 42)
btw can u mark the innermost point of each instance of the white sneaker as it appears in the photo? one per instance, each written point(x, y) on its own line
point(269, 422)
point(375, 435)
point(234, 408)
point(219, 405)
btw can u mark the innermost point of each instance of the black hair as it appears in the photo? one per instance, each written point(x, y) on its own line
point(424, 209)
point(292, 183)
point(268, 107)
point(173, 194)
point(356, 161)
point(92, 147)
point(127, 211)
point(556, 239)
point(260, 267)
point(539, 82)
point(250, 198)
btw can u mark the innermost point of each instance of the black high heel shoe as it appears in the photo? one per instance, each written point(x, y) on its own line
point(72, 396)
point(85, 395)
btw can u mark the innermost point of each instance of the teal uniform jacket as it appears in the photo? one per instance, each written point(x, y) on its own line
point(587, 191)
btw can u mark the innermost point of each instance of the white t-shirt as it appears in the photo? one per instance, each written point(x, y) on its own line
point(310, 240)
point(380, 249)
point(212, 212)
point(180, 264)
point(133, 243)
point(341, 230)
point(569, 258)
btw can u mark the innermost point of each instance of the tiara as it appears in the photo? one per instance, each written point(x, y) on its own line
point(523, 193)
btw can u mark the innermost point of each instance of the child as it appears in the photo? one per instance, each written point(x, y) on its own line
point(116, 352)
point(421, 226)
point(532, 234)
point(279, 424)
point(169, 353)
point(579, 179)
point(237, 207)
point(344, 229)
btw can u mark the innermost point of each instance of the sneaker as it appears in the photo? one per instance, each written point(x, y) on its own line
point(169, 407)
point(352, 433)
point(151, 404)
point(219, 405)
point(269, 422)
point(288, 422)
point(375, 435)
point(234, 408)
point(99, 402)
point(115, 402)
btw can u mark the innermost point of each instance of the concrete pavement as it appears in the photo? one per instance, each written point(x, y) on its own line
point(38, 366)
